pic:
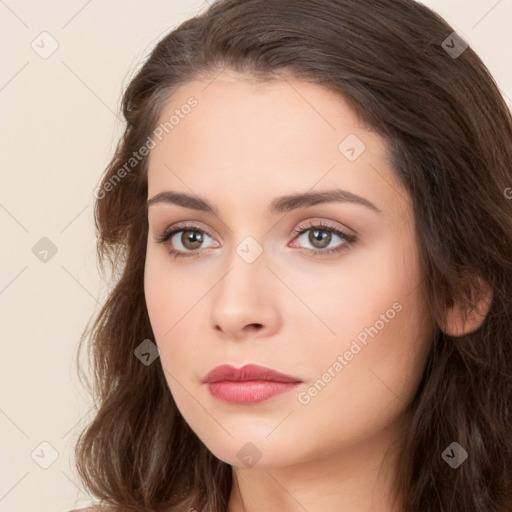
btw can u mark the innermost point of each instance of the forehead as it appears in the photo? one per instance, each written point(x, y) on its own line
point(240, 112)
point(263, 139)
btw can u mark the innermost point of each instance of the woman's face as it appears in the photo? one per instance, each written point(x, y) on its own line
point(266, 179)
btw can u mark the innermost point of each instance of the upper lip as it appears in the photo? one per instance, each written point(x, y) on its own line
point(248, 372)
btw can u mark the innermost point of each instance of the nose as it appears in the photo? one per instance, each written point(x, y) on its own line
point(245, 301)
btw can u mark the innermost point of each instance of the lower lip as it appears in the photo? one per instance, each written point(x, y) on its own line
point(249, 392)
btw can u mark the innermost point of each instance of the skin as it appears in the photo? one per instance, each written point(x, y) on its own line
point(242, 146)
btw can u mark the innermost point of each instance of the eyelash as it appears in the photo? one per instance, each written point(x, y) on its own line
point(349, 239)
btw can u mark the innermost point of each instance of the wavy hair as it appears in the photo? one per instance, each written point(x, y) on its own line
point(449, 132)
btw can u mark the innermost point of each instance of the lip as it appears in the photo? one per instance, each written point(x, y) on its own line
point(249, 384)
point(246, 373)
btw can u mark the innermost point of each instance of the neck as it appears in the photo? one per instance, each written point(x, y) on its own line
point(357, 479)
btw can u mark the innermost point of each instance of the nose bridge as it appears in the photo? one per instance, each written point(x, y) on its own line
point(246, 264)
point(243, 296)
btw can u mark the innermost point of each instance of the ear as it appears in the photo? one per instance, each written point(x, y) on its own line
point(466, 318)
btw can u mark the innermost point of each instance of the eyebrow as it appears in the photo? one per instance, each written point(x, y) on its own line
point(278, 205)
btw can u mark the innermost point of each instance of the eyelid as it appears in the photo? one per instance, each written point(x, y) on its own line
point(328, 225)
point(180, 226)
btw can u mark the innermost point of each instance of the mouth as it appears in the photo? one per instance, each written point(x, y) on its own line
point(249, 384)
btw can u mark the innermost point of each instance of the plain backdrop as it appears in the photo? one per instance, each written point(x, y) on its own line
point(64, 66)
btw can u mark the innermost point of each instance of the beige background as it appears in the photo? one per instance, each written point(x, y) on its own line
point(58, 129)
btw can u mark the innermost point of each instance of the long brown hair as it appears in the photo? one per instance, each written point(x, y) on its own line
point(450, 138)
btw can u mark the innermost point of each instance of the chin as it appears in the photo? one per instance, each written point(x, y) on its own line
point(251, 449)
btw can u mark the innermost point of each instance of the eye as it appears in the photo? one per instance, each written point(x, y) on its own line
point(320, 237)
point(187, 238)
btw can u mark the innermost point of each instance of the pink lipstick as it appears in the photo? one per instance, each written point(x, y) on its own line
point(249, 384)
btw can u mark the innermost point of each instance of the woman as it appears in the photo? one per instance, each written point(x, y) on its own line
point(309, 217)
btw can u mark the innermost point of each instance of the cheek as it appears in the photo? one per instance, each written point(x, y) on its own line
point(169, 294)
point(374, 297)
point(383, 335)
point(375, 380)
point(173, 302)
point(375, 286)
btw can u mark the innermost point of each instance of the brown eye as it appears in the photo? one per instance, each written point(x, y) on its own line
point(319, 238)
point(185, 241)
point(322, 239)
point(191, 239)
